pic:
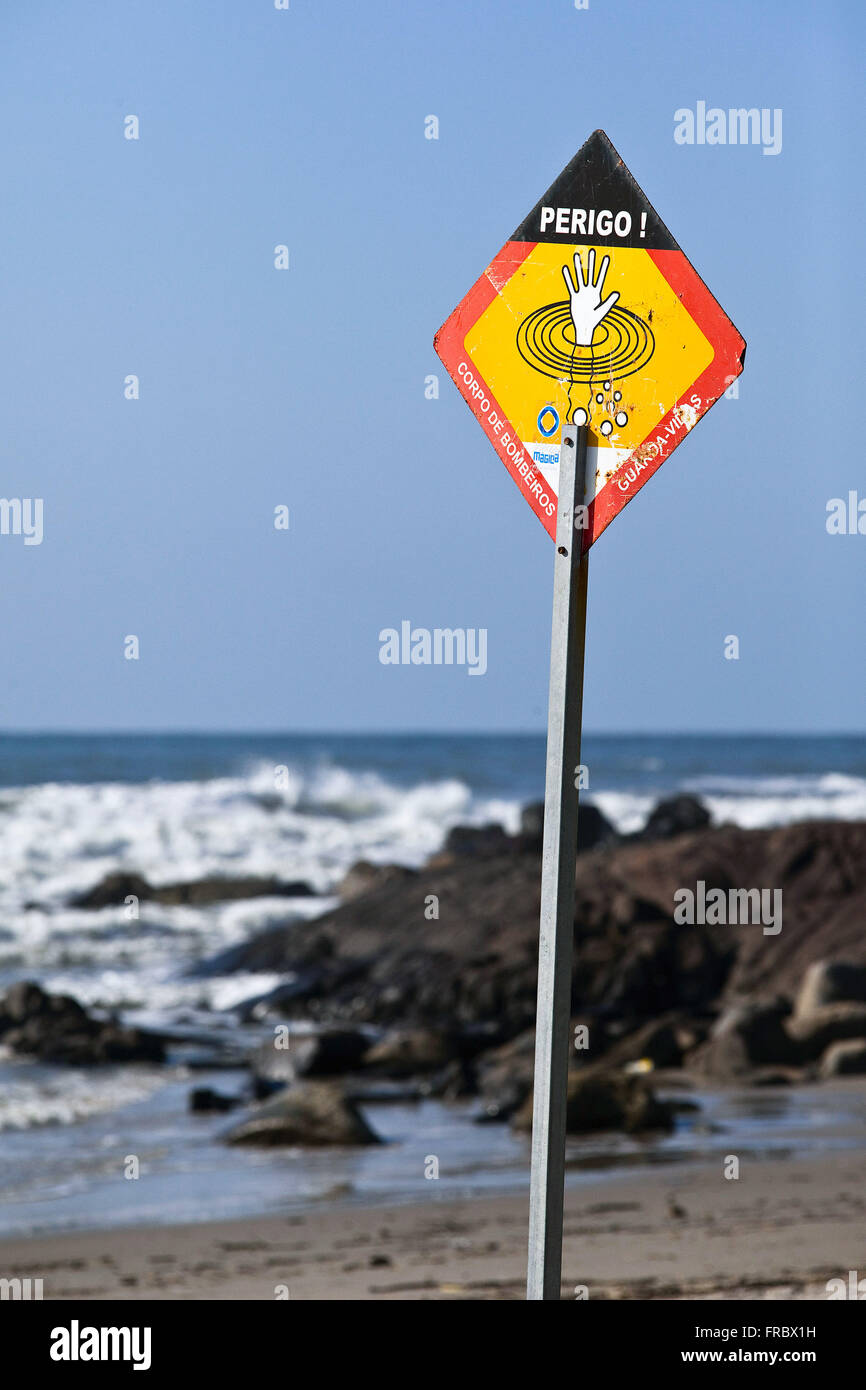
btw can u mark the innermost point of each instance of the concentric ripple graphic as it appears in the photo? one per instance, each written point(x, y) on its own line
point(622, 344)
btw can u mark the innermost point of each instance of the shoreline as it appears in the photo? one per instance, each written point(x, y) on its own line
point(781, 1230)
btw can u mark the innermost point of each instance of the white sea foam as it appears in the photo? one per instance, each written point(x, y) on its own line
point(57, 840)
point(751, 802)
point(758, 802)
point(626, 811)
point(27, 1101)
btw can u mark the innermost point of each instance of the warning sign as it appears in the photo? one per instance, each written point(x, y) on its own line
point(590, 314)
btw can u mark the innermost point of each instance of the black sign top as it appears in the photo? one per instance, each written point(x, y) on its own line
point(596, 200)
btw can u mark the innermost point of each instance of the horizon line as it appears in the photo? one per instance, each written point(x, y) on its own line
point(185, 732)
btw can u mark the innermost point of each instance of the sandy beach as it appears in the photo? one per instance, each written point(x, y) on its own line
point(780, 1231)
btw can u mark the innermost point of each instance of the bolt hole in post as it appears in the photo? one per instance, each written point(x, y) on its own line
point(558, 863)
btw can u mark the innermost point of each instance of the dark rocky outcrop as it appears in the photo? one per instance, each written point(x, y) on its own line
point(410, 1052)
point(377, 959)
point(331, 1052)
point(831, 982)
point(362, 876)
point(115, 888)
point(505, 1077)
point(830, 1015)
point(664, 1042)
point(205, 1101)
point(312, 950)
point(748, 1035)
point(532, 825)
point(832, 1023)
point(476, 841)
point(593, 827)
point(599, 1099)
point(675, 815)
point(305, 994)
point(844, 1059)
point(326, 1052)
point(712, 998)
point(308, 1113)
point(55, 1028)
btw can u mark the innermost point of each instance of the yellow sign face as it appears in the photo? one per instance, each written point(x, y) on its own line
point(643, 355)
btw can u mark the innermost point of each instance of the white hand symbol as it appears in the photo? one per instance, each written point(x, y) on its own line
point(587, 307)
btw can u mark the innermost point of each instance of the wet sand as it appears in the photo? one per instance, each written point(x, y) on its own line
point(779, 1231)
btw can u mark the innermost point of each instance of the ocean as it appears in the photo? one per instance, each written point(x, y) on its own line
point(74, 808)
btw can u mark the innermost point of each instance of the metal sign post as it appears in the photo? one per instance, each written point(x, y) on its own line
point(559, 853)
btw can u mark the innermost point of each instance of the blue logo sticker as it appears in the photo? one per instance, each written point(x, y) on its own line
point(548, 410)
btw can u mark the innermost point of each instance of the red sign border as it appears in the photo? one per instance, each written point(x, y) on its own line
point(728, 351)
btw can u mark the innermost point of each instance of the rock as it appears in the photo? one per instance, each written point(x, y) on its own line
point(26, 1000)
point(456, 1081)
point(117, 1044)
point(51, 1041)
point(55, 1028)
point(655, 967)
point(593, 827)
point(662, 1041)
point(377, 960)
point(325, 1052)
point(266, 951)
point(204, 1101)
point(599, 1099)
point(505, 1077)
point(202, 892)
point(476, 841)
point(830, 1024)
point(675, 815)
point(406, 1052)
point(831, 982)
point(844, 1059)
point(306, 993)
point(115, 888)
point(774, 1076)
point(362, 876)
point(330, 1052)
point(532, 822)
point(204, 1049)
point(309, 1113)
point(747, 1035)
point(272, 1066)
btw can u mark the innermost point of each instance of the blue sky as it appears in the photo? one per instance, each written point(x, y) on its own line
point(306, 387)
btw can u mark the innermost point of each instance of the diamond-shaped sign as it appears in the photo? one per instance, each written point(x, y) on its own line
point(591, 314)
